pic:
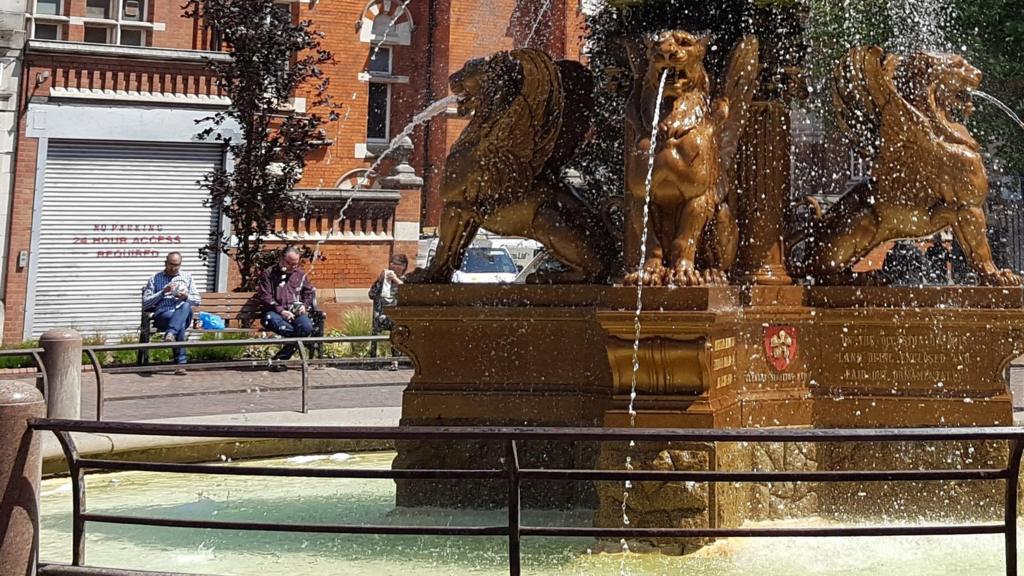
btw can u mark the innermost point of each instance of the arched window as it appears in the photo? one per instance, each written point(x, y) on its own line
point(360, 178)
point(386, 22)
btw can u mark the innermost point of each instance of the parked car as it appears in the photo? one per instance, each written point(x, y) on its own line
point(543, 262)
point(522, 250)
point(486, 265)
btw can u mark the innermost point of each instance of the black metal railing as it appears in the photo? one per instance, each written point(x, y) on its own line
point(36, 354)
point(304, 345)
point(514, 475)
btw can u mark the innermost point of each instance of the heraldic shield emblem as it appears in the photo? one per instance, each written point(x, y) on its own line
point(781, 346)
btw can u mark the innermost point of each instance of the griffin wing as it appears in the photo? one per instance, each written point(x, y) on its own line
point(735, 95)
point(521, 140)
point(863, 89)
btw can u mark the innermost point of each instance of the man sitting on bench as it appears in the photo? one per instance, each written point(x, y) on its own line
point(286, 297)
point(171, 294)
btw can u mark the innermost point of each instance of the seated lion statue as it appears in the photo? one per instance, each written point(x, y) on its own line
point(692, 235)
point(529, 115)
point(927, 170)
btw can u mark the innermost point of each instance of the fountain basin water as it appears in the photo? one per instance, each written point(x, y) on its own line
point(317, 500)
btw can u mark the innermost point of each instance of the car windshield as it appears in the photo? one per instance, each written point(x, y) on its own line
point(488, 261)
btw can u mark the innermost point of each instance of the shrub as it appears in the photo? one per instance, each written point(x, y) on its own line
point(219, 353)
point(8, 362)
point(357, 322)
point(127, 357)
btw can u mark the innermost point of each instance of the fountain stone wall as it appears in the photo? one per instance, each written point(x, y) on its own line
point(713, 357)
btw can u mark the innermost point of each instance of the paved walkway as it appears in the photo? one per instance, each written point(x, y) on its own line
point(338, 397)
point(209, 393)
point(203, 393)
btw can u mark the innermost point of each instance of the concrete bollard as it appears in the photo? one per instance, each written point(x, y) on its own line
point(20, 470)
point(62, 357)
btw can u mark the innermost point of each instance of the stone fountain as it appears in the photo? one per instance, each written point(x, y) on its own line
point(726, 337)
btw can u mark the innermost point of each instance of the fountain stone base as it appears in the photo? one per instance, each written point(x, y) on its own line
point(721, 357)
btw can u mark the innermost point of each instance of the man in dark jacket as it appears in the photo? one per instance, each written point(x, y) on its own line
point(287, 298)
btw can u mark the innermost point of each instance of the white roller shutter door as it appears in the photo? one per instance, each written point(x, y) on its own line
point(110, 214)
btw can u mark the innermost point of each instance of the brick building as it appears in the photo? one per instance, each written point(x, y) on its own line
point(107, 160)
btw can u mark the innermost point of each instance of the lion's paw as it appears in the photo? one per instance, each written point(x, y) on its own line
point(653, 274)
point(1002, 277)
point(687, 275)
point(714, 277)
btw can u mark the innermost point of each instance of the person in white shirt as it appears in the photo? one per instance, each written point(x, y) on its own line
point(383, 294)
point(171, 294)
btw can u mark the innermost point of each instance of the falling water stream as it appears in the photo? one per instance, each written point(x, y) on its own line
point(391, 24)
point(537, 20)
point(999, 103)
point(429, 112)
point(648, 183)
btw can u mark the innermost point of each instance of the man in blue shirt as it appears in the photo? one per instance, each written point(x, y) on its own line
point(170, 294)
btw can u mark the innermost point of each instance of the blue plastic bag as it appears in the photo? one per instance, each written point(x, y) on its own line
point(211, 321)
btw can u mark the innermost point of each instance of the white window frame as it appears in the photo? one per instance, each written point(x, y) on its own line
point(60, 10)
point(140, 29)
point(400, 34)
point(111, 32)
point(110, 10)
point(115, 22)
point(382, 75)
point(58, 24)
point(387, 115)
point(143, 18)
point(391, 64)
point(59, 19)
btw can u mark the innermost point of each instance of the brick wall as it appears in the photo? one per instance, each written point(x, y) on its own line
point(474, 29)
point(462, 29)
point(178, 32)
point(20, 236)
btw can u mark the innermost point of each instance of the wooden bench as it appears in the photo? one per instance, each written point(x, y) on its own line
point(241, 312)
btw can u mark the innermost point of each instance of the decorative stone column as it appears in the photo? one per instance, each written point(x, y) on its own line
point(407, 214)
point(762, 174)
point(403, 175)
point(20, 470)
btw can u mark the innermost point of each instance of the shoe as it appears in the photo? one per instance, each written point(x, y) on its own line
point(180, 372)
point(169, 337)
point(279, 368)
point(394, 366)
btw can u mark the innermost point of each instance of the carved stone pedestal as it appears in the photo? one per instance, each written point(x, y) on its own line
point(726, 357)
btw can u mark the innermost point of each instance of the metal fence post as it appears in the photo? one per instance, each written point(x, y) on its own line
point(514, 522)
point(1010, 512)
point(62, 356)
point(305, 377)
point(20, 471)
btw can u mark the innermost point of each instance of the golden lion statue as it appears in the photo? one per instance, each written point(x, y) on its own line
point(927, 171)
point(529, 115)
point(691, 228)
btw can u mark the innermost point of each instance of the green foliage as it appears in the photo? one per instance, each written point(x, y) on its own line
point(11, 362)
point(358, 322)
point(992, 32)
point(834, 28)
point(127, 357)
point(219, 353)
point(273, 58)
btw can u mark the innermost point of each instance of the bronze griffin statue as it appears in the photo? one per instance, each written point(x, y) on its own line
point(927, 170)
point(692, 233)
point(529, 116)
